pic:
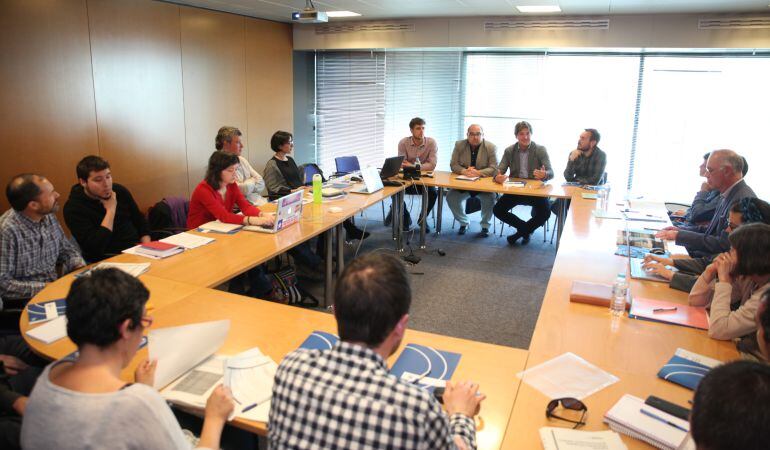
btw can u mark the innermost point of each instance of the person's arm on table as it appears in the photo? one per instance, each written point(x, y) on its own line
point(502, 168)
point(702, 242)
point(545, 172)
point(462, 402)
point(703, 289)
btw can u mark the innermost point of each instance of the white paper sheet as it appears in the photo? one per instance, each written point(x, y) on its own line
point(132, 251)
point(131, 269)
point(51, 331)
point(567, 375)
point(566, 439)
point(220, 227)
point(250, 376)
point(194, 387)
point(187, 240)
point(179, 349)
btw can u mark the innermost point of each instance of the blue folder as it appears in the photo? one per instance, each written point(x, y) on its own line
point(684, 372)
point(426, 362)
point(36, 311)
point(320, 340)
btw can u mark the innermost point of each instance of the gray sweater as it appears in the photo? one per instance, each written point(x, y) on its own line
point(135, 417)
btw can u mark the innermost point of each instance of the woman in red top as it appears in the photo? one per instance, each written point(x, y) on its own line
point(213, 199)
point(215, 196)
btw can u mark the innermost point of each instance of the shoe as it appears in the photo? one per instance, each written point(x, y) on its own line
point(389, 218)
point(462, 230)
point(356, 233)
point(513, 238)
point(484, 233)
point(525, 239)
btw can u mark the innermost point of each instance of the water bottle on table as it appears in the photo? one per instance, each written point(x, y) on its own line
point(317, 182)
point(619, 295)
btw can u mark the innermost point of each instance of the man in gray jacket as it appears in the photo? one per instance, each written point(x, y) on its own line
point(530, 161)
point(724, 172)
point(473, 157)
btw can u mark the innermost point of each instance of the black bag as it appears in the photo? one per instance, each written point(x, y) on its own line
point(472, 205)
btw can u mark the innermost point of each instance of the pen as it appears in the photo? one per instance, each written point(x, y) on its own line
point(660, 419)
point(657, 310)
point(250, 407)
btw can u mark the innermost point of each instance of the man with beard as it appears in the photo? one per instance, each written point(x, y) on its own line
point(587, 162)
point(102, 215)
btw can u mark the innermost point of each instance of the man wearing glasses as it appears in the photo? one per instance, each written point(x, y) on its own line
point(473, 157)
point(724, 172)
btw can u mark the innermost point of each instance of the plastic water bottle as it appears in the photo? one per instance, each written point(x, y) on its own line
point(619, 295)
point(417, 163)
point(317, 182)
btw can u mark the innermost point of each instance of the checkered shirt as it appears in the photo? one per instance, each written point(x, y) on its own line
point(344, 398)
point(30, 252)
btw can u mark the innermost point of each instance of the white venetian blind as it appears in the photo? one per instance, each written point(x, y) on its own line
point(350, 107)
point(425, 85)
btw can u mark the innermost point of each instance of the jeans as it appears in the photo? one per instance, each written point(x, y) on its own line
point(541, 211)
point(455, 199)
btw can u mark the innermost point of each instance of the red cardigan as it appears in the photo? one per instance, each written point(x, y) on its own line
point(206, 205)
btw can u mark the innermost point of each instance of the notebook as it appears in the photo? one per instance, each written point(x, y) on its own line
point(220, 227)
point(686, 368)
point(630, 416)
point(159, 249)
point(319, 340)
point(188, 240)
point(667, 312)
point(45, 311)
point(464, 178)
point(51, 331)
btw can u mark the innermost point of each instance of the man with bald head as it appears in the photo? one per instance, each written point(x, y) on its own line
point(724, 172)
point(473, 157)
point(32, 243)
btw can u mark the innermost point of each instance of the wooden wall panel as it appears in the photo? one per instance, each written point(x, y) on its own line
point(137, 68)
point(269, 86)
point(47, 103)
point(214, 74)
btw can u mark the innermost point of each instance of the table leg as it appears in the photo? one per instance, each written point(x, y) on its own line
point(340, 249)
point(400, 227)
point(394, 214)
point(561, 220)
point(424, 216)
point(329, 276)
point(440, 207)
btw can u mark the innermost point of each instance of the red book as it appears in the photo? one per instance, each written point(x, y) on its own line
point(158, 246)
point(159, 249)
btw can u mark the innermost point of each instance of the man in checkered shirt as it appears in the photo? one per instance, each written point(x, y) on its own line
point(344, 398)
point(32, 243)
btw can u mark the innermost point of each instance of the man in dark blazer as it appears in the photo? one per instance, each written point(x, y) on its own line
point(473, 157)
point(724, 172)
point(526, 160)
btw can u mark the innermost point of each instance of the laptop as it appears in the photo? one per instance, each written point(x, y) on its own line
point(288, 213)
point(391, 166)
point(372, 182)
point(637, 271)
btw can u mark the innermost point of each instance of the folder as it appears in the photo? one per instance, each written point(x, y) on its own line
point(319, 340)
point(425, 366)
point(685, 315)
point(45, 311)
point(686, 368)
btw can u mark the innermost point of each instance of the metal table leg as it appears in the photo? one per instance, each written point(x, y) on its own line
point(329, 276)
point(440, 208)
point(424, 216)
point(400, 228)
point(340, 249)
point(561, 220)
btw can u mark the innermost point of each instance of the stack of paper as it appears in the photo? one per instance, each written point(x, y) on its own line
point(159, 249)
point(220, 227)
point(464, 178)
point(133, 269)
point(632, 417)
point(567, 375)
point(566, 439)
point(187, 240)
point(250, 375)
point(51, 331)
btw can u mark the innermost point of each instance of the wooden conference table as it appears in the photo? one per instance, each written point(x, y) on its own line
point(534, 188)
point(633, 350)
point(278, 329)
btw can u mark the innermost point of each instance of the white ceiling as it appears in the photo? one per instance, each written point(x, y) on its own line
point(280, 10)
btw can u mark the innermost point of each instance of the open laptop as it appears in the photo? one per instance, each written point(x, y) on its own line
point(289, 212)
point(636, 265)
point(372, 182)
point(391, 166)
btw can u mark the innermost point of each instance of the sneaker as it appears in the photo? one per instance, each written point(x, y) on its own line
point(462, 230)
point(484, 233)
point(513, 238)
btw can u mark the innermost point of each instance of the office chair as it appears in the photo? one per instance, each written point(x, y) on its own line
point(347, 164)
point(309, 170)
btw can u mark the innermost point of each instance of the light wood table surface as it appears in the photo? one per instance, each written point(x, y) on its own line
point(633, 350)
point(279, 329)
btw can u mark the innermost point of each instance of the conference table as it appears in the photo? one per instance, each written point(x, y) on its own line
point(532, 188)
point(633, 350)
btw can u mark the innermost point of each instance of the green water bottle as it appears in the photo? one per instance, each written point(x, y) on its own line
point(317, 189)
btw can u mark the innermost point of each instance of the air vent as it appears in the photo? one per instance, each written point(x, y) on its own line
point(734, 22)
point(368, 26)
point(547, 24)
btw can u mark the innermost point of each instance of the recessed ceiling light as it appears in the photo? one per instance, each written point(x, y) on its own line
point(342, 14)
point(539, 9)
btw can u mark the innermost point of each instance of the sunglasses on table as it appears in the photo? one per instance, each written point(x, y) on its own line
point(567, 403)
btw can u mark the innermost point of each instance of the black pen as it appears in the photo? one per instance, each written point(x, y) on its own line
point(657, 310)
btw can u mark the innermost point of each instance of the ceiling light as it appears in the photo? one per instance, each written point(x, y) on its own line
point(539, 9)
point(342, 14)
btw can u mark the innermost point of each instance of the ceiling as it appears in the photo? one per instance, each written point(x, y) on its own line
point(280, 10)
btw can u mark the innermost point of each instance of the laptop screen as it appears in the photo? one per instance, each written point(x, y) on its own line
point(289, 210)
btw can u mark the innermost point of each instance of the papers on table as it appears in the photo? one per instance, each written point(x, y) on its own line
point(133, 269)
point(606, 214)
point(567, 375)
point(589, 196)
point(51, 331)
point(220, 227)
point(187, 240)
point(194, 387)
point(565, 439)
point(45, 311)
point(514, 183)
point(179, 349)
point(250, 375)
point(464, 178)
point(686, 368)
point(632, 417)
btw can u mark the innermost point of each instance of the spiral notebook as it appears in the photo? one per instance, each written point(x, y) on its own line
point(630, 416)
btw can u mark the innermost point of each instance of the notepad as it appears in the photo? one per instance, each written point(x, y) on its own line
point(45, 311)
point(187, 240)
point(602, 214)
point(512, 183)
point(626, 417)
point(220, 227)
point(51, 331)
point(464, 178)
point(686, 368)
point(566, 439)
point(589, 196)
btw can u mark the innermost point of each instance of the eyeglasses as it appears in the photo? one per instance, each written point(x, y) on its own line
point(568, 403)
point(474, 134)
point(146, 321)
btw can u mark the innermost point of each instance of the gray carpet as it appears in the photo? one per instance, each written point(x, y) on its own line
point(483, 289)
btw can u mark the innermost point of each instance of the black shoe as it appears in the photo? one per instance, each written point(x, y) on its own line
point(513, 238)
point(389, 218)
point(462, 230)
point(525, 239)
point(484, 233)
point(355, 233)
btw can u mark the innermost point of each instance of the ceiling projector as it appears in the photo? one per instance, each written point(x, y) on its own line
point(309, 15)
